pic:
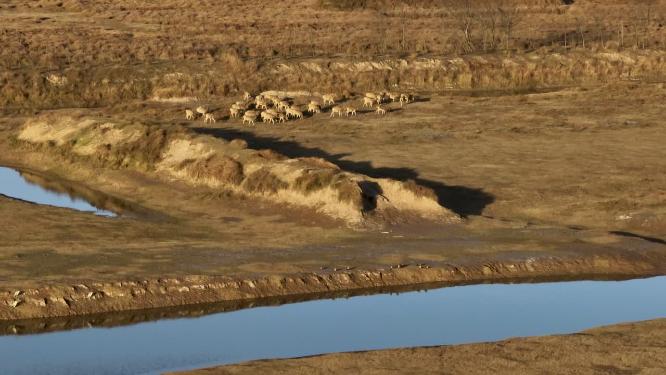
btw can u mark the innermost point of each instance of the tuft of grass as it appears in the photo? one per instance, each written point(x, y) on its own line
point(142, 153)
point(222, 168)
point(268, 154)
point(263, 181)
point(420, 190)
point(319, 163)
point(313, 180)
point(350, 192)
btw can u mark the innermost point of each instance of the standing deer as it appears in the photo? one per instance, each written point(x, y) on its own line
point(328, 98)
point(249, 117)
point(336, 110)
point(350, 111)
point(209, 118)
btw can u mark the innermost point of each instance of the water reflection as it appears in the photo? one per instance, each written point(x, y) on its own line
point(41, 190)
point(453, 315)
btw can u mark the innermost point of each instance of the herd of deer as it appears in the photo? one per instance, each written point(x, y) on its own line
point(273, 109)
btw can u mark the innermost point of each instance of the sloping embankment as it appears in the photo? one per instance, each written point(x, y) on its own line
point(483, 71)
point(84, 87)
point(97, 297)
point(229, 165)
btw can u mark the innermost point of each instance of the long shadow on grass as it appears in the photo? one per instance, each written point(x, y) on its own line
point(634, 235)
point(462, 200)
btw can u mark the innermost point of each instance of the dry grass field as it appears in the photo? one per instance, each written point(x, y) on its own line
point(533, 148)
point(116, 51)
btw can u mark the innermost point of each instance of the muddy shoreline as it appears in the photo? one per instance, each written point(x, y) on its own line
point(97, 297)
point(130, 317)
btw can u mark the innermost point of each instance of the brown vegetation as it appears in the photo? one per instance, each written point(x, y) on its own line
point(624, 348)
point(222, 168)
point(111, 52)
point(263, 181)
point(312, 180)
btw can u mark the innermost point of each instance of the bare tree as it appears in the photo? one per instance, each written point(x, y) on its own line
point(646, 13)
point(581, 29)
point(466, 16)
point(509, 17)
point(403, 26)
point(489, 19)
point(599, 28)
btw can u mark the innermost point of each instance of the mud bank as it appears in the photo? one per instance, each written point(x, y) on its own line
point(230, 166)
point(96, 297)
point(130, 317)
point(624, 348)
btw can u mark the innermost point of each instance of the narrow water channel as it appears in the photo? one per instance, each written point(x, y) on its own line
point(454, 315)
point(36, 189)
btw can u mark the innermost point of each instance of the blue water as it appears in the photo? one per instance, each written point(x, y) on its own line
point(12, 184)
point(455, 315)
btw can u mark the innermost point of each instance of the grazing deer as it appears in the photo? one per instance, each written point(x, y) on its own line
point(209, 118)
point(234, 111)
point(292, 112)
point(314, 107)
point(201, 110)
point(281, 117)
point(249, 117)
point(267, 117)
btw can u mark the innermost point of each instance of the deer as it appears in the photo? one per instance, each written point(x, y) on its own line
point(267, 117)
point(249, 117)
point(350, 111)
point(234, 111)
point(314, 107)
point(201, 110)
point(336, 110)
point(295, 113)
point(328, 98)
point(209, 118)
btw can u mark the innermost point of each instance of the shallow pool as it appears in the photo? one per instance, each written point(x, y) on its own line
point(453, 315)
point(25, 186)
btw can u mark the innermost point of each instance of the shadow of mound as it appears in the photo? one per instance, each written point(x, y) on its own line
point(462, 200)
point(634, 235)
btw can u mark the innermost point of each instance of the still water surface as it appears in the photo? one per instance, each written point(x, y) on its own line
point(455, 315)
point(14, 184)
